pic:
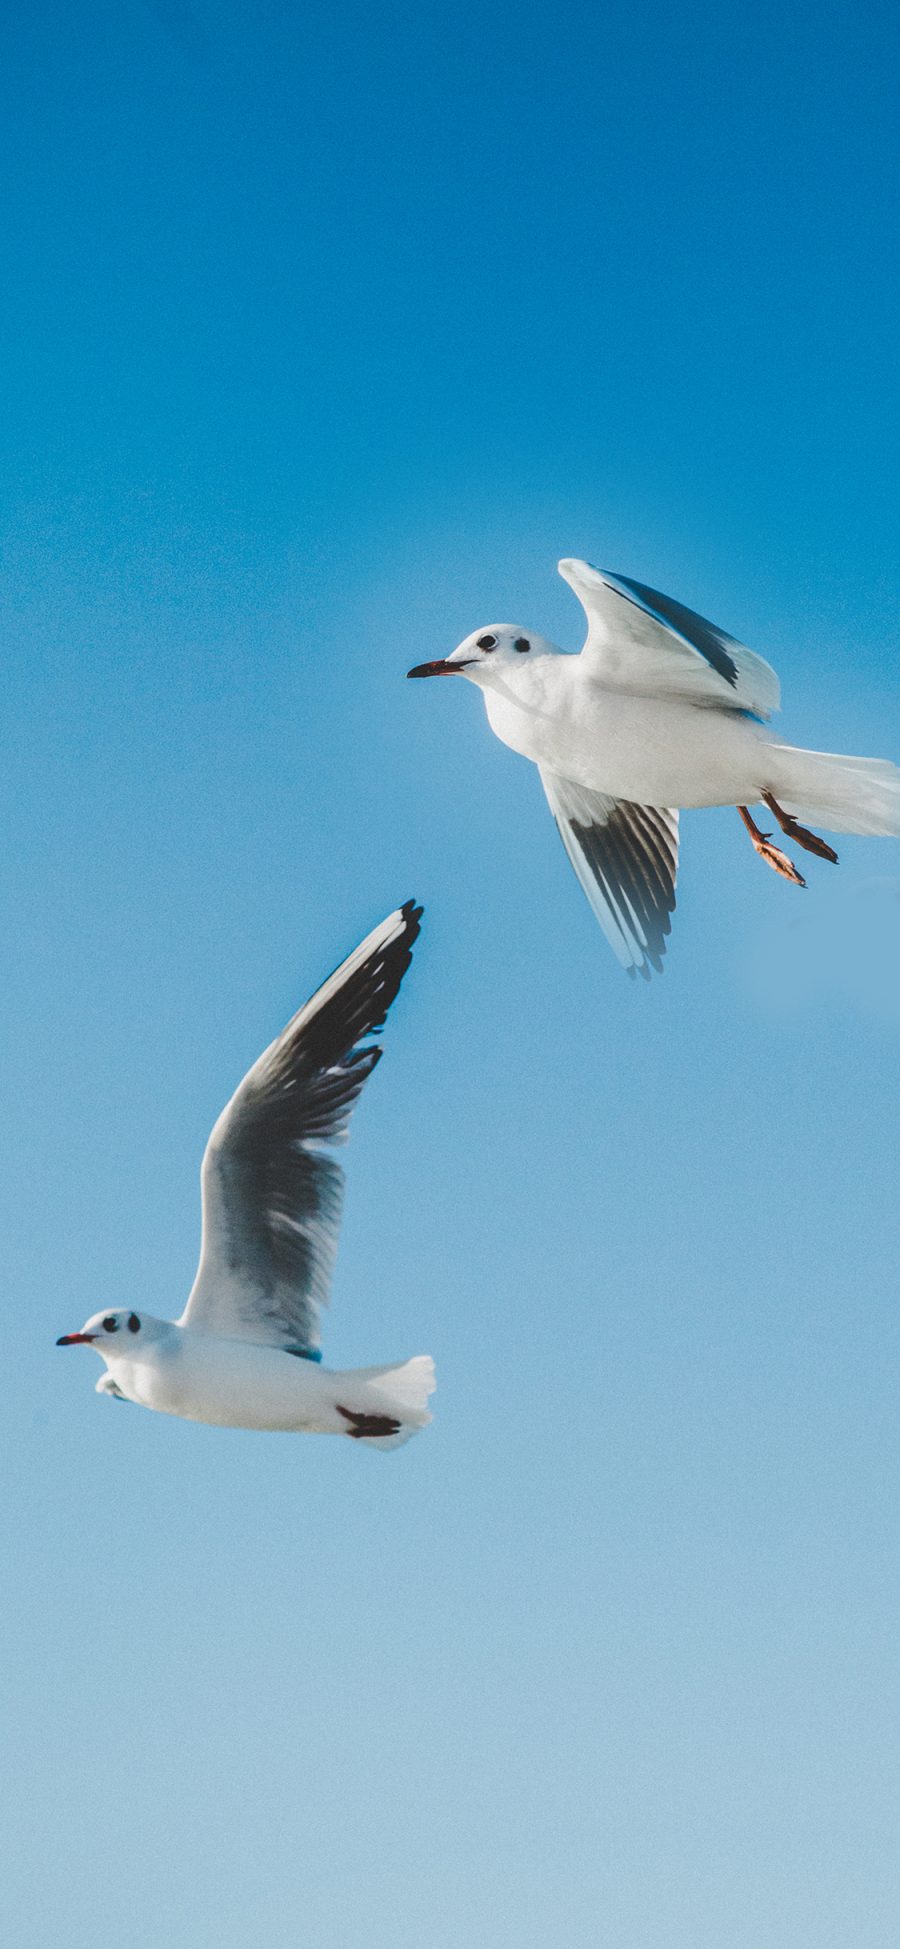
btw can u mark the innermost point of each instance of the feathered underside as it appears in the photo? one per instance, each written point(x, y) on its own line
point(626, 859)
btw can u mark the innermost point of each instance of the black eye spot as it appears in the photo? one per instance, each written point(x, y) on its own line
point(110, 1324)
point(134, 1325)
point(521, 643)
point(486, 643)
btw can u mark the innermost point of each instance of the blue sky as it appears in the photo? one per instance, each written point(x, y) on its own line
point(325, 335)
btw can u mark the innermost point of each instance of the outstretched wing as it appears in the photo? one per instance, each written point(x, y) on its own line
point(626, 859)
point(641, 640)
point(271, 1194)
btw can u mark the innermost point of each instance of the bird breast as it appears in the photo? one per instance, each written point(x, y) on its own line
point(650, 750)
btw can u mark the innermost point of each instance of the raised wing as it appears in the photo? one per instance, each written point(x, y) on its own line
point(271, 1194)
point(626, 859)
point(643, 641)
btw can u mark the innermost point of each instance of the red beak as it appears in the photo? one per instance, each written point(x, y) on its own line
point(442, 668)
point(76, 1340)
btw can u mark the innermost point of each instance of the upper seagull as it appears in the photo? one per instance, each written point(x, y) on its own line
point(660, 709)
point(244, 1353)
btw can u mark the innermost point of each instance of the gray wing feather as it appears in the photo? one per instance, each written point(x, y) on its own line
point(626, 859)
point(272, 1195)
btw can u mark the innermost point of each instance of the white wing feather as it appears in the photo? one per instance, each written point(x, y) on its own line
point(641, 640)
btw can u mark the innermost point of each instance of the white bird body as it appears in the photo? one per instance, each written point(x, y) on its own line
point(649, 750)
point(245, 1352)
point(238, 1384)
point(660, 710)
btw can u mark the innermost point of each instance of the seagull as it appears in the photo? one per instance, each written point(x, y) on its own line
point(661, 709)
point(246, 1351)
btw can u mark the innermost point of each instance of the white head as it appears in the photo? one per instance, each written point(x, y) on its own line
point(488, 651)
point(112, 1334)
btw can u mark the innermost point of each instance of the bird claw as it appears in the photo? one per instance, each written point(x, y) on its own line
point(811, 842)
point(801, 835)
point(778, 860)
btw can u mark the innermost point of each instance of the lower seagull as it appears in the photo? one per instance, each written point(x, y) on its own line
point(246, 1351)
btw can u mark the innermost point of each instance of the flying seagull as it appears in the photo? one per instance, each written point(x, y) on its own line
point(661, 709)
point(245, 1352)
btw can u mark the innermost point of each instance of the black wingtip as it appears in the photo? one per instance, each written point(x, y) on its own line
point(412, 914)
point(393, 959)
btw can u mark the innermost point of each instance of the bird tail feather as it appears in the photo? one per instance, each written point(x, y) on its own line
point(840, 793)
point(396, 1395)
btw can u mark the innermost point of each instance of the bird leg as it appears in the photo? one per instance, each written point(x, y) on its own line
point(367, 1425)
point(810, 841)
point(772, 855)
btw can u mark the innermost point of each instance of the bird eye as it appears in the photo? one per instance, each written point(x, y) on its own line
point(110, 1324)
point(134, 1325)
point(521, 643)
point(486, 643)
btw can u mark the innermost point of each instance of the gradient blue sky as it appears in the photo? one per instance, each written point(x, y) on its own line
point(325, 333)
